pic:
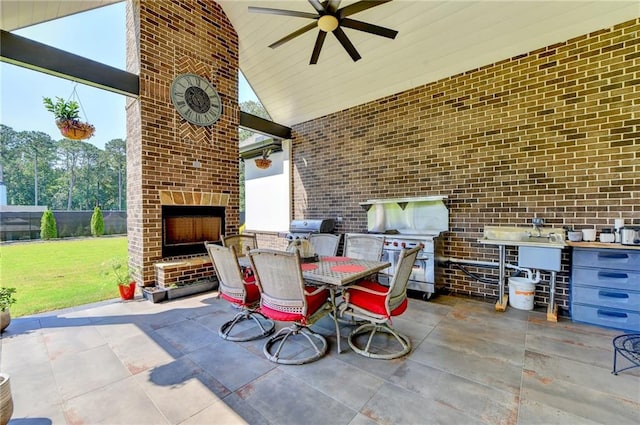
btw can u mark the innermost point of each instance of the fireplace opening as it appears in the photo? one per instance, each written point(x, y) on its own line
point(185, 228)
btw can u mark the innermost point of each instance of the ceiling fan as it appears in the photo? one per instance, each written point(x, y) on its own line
point(329, 18)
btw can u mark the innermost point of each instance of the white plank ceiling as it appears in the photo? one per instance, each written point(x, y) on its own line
point(436, 39)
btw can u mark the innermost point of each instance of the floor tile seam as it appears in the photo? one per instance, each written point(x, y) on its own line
point(65, 402)
point(575, 389)
point(555, 354)
point(322, 391)
point(604, 370)
point(440, 405)
point(464, 378)
point(476, 353)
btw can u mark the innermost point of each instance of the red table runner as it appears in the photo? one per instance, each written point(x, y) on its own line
point(348, 268)
point(334, 259)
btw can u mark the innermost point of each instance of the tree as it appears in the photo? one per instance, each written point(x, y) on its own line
point(116, 153)
point(62, 174)
point(70, 152)
point(97, 222)
point(48, 229)
point(253, 108)
point(27, 157)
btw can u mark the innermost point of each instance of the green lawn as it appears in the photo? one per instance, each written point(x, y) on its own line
point(49, 275)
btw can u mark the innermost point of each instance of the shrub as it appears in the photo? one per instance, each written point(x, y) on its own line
point(48, 228)
point(6, 298)
point(97, 222)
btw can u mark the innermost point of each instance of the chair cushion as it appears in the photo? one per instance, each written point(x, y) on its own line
point(314, 302)
point(373, 302)
point(253, 295)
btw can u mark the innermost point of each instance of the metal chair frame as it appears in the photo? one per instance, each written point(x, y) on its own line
point(394, 296)
point(232, 284)
point(283, 292)
point(325, 244)
point(363, 247)
point(243, 243)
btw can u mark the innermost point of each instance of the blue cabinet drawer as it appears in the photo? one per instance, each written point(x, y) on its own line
point(617, 259)
point(605, 297)
point(607, 317)
point(618, 279)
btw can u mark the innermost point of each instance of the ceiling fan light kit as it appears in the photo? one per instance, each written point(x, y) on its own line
point(328, 23)
point(331, 19)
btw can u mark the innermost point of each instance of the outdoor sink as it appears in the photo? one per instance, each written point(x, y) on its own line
point(523, 236)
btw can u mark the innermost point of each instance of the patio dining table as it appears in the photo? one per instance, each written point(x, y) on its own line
point(335, 273)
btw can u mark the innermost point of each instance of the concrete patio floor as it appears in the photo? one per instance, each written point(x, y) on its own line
point(141, 363)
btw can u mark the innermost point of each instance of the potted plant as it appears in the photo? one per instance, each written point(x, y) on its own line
point(264, 162)
point(67, 114)
point(6, 299)
point(122, 274)
point(6, 400)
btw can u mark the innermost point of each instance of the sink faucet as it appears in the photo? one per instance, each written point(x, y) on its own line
point(537, 224)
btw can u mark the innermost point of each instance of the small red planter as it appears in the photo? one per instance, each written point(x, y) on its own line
point(127, 292)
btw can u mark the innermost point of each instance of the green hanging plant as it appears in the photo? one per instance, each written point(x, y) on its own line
point(67, 115)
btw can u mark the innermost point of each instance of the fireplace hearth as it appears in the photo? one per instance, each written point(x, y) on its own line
point(185, 228)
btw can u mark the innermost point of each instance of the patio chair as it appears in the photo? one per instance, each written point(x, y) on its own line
point(376, 304)
point(242, 242)
point(325, 244)
point(234, 288)
point(363, 247)
point(285, 298)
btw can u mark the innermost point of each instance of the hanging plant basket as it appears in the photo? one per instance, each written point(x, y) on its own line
point(67, 114)
point(75, 130)
point(263, 163)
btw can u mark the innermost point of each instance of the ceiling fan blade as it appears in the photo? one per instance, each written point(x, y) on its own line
point(348, 46)
point(359, 7)
point(317, 6)
point(316, 49)
point(283, 12)
point(332, 6)
point(370, 28)
point(294, 35)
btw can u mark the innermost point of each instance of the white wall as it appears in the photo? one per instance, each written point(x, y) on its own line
point(267, 193)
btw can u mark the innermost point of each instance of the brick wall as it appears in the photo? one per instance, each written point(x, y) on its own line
point(164, 152)
point(553, 133)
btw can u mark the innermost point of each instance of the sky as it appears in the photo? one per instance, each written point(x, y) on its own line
point(99, 35)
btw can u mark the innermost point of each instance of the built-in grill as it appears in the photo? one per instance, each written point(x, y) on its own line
point(406, 223)
point(301, 229)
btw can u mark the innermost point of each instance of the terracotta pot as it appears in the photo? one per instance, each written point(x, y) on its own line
point(127, 292)
point(6, 401)
point(5, 319)
point(75, 130)
point(263, 163)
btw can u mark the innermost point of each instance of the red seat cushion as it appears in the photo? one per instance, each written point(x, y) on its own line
point(314, 302)
point(373, 302)
point(253, 295)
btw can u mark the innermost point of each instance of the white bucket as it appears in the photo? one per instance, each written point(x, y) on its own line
point(521, 293)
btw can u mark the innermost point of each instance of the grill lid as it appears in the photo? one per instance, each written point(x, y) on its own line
point(325, 225)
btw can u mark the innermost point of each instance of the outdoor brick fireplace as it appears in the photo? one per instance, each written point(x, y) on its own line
point(177, 170)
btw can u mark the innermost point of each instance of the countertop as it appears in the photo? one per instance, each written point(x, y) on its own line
point(602, 245)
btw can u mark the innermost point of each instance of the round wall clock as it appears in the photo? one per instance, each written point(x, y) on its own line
point(195, 99)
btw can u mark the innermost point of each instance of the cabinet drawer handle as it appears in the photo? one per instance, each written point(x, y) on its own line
point(612, 275)
point(613, 255)
point(612, 314)
point(619, 295)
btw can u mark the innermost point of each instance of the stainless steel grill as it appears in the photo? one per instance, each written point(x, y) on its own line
point(406, 223)
point(301, 229)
